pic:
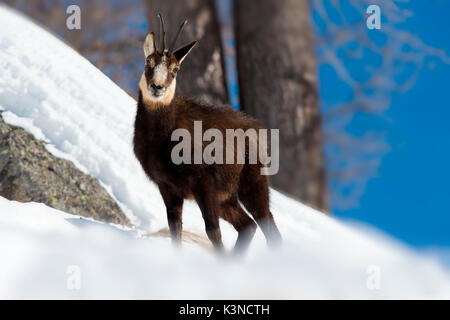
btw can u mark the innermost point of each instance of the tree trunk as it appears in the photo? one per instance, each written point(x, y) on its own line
point(278, 86)
point(201, 75)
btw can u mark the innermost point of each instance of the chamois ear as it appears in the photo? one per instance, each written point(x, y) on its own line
point(182, 52)
point(149, 44)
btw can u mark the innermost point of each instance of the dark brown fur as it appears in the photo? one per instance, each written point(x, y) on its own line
point(207, 184)
point(217, 188)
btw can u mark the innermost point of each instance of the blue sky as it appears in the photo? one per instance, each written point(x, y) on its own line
point(409, 198)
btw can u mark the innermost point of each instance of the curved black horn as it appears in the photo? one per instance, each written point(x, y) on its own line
point(174, 42)
point(162, 33)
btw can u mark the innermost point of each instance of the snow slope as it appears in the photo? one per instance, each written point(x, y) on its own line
point(57, 95)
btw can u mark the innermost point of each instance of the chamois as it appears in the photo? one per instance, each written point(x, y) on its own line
point(217, 188)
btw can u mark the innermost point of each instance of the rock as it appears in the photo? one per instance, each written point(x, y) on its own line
point(28, 172)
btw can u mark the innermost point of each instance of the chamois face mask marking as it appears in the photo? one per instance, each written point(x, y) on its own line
point(158, 82)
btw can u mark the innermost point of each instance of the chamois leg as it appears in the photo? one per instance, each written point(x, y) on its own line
point(211, 211)
point(244, 225)
point(174, 208)
point(254, 194)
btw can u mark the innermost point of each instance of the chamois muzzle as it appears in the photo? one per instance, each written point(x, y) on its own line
point(156, 89)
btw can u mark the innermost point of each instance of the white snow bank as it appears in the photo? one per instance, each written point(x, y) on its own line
point(57, 95)
point(43, 251)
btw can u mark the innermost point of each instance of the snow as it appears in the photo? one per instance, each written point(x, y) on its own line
point(39, 246)
point(58, 96)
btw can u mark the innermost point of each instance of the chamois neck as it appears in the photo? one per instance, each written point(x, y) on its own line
point(155, 124)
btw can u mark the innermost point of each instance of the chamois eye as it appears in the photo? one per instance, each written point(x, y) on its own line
point(149, 62)
point(175, 70)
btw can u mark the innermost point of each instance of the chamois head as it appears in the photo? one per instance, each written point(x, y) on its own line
point(161, 66)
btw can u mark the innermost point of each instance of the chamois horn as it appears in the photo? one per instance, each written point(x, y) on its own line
point(174, 42)
point(162, 33)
